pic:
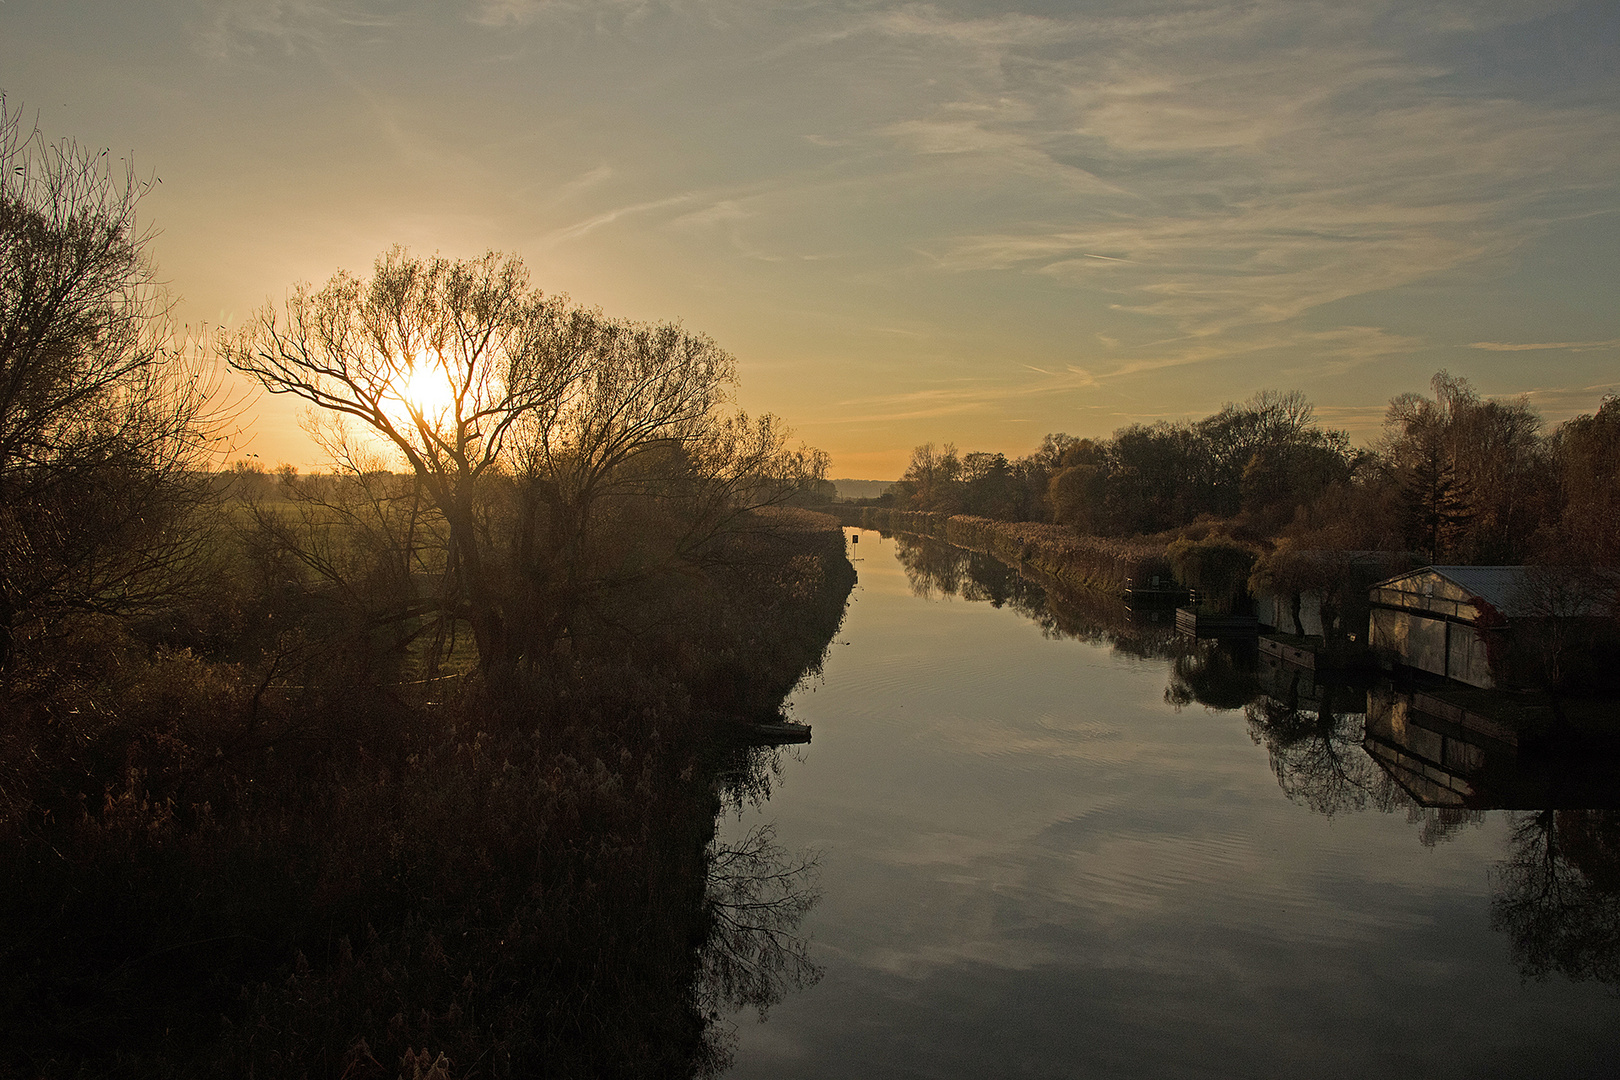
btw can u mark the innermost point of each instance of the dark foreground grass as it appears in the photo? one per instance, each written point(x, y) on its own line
point(295, 865)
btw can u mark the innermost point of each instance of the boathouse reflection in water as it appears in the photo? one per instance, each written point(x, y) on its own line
point(1337, 745)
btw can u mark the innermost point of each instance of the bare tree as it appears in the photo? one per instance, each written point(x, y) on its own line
point(104, 416)
point(1587, 452)
point(932, 478)
point(487, 352)
point(1565, 605)
point(522, 417)
point(1476, 478)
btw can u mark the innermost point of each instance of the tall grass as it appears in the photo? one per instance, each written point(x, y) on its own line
point(285, 858)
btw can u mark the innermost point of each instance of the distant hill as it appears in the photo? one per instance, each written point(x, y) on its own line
point(861, 489)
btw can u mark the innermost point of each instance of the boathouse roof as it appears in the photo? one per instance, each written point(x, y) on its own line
point(1515, 591)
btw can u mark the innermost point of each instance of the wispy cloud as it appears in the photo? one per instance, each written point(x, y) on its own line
point(601, 15)
point(723, 212)
point(997, 392)
point(1239, 181)
point(224, 28)
point(1277, 349)
point(608, 217)
point(586, 181)
point(1127, 202)
point(1560, 403)
point(1570, 346)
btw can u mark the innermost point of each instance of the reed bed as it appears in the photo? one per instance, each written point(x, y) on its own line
point(1076, 560)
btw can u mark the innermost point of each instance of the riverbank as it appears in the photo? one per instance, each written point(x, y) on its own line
point(347, 880)
point(1076, 561)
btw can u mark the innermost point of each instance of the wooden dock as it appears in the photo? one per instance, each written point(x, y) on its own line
point(777, 734)
point(1312, 657)
point(1203, 624)
point(1157, 591)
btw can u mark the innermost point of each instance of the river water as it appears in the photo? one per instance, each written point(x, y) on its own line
point(1042, 854)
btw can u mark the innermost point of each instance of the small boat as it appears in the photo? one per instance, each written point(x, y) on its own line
point(775, 733)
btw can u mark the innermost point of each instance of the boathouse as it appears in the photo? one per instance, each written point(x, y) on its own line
point(1342, 576)
point(1474, 624)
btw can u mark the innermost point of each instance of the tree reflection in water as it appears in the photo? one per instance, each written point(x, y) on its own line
point(1315, 746)
point(756, 893)
point(1557, 895)
point(1437, 824)
point(934, 568)
point(1215, 673)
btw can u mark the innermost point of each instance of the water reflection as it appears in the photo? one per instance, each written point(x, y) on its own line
point(1337, 746)
point(1557, 895)
point(935, 568)
point(756, 894)
point(1313, 734)
point(1217, 673)
point(1035, 865)
point(1445, 756)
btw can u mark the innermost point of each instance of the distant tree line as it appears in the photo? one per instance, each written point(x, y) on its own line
point(1453, 477)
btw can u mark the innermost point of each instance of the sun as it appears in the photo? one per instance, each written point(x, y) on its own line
point(423, 388)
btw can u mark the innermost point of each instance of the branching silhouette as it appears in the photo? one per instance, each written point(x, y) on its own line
point(1316, 753)
point(1557, 894)
point(758, 892)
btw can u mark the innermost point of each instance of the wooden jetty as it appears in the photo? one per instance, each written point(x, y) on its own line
point(1205, 624)
point(776, 733)
point(1310, 653)
point(1154, 592)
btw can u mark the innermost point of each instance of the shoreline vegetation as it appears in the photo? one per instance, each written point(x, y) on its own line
point(1083, 562)
point(1259, 499)
point(310, 866)
point(378, 774)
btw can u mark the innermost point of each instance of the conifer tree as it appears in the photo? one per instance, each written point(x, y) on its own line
point(1437, 504)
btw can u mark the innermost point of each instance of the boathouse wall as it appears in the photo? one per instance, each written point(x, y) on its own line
point(1428, 621)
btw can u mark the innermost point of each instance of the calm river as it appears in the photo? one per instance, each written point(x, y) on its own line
point(1043, 854)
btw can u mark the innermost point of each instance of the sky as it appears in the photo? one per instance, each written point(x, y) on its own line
point(952, 222)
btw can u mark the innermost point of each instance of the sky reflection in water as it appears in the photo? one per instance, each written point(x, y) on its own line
point(1033, 865)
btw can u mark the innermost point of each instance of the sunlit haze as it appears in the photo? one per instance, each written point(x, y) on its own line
point(953, 221)
point(424, 391)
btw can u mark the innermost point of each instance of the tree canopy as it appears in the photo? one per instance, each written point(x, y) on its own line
point(104, 415)
point(544, 434)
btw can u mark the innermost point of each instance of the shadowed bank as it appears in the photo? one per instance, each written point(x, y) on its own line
point(369, 774)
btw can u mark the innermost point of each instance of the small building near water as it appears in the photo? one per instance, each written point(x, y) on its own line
point(1335, 580)
point(1474, 623)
